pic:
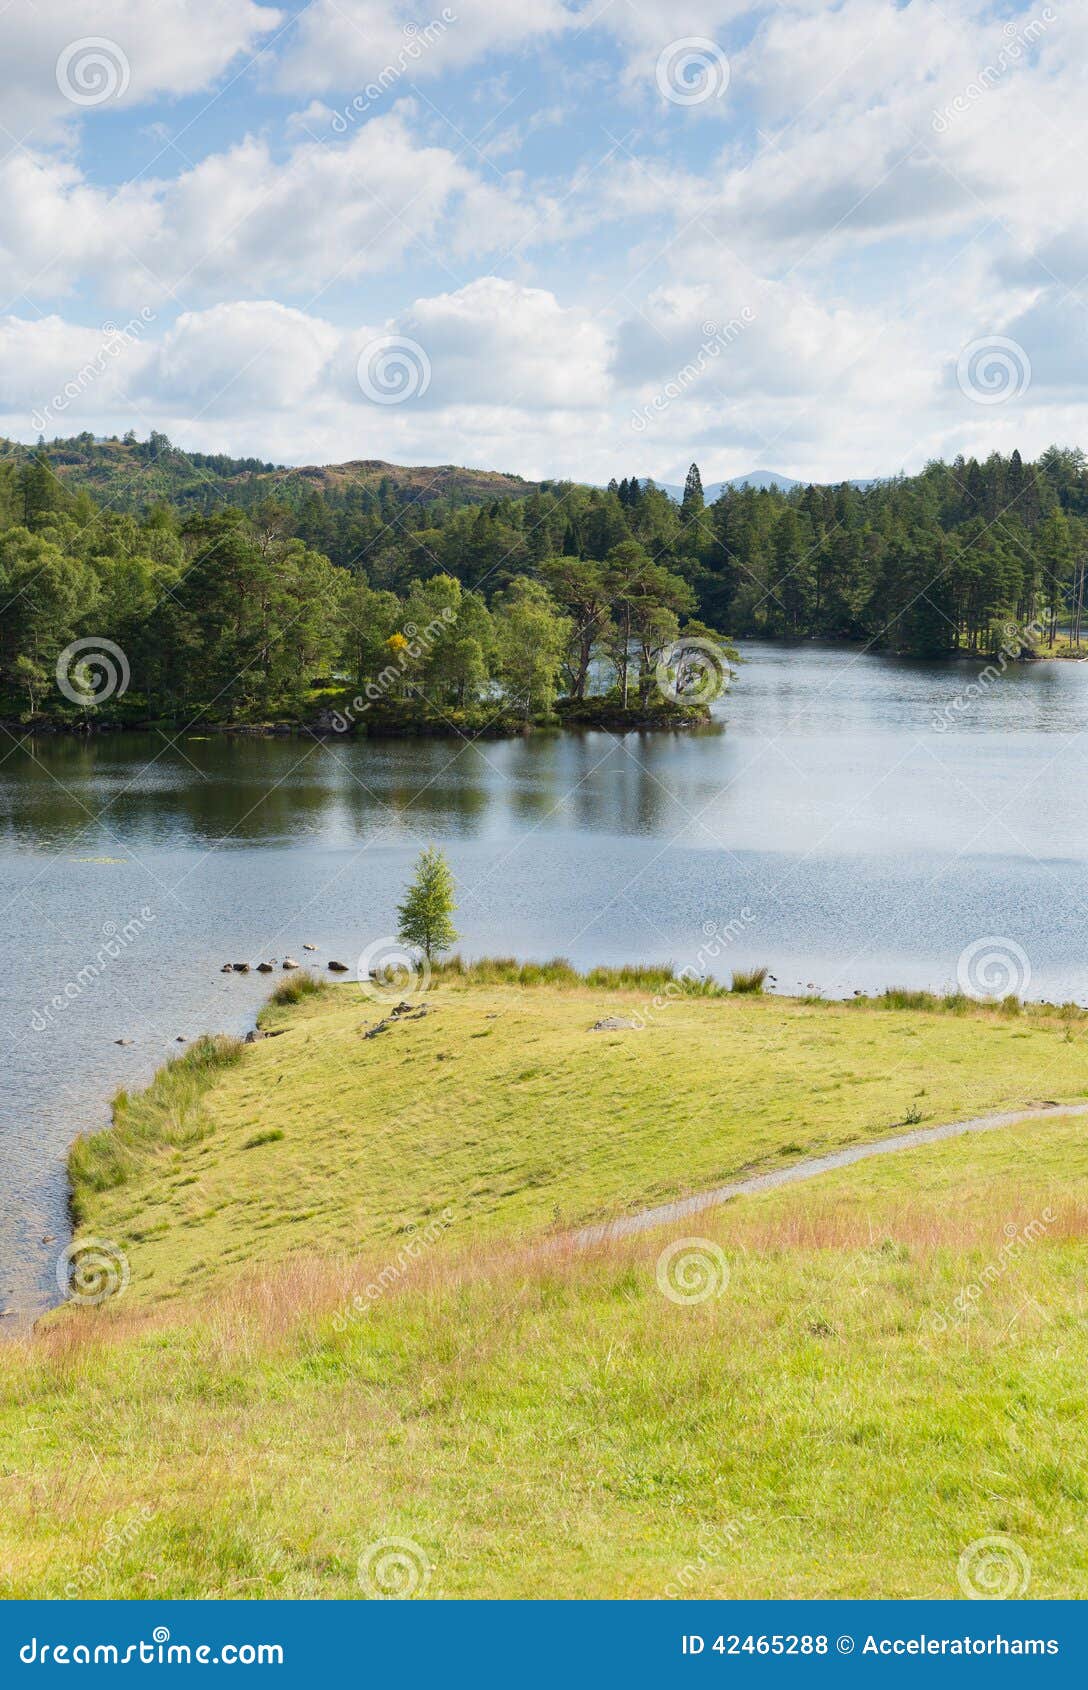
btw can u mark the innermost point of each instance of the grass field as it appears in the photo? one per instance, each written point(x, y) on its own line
point(503, 1107)
point(357, 1343)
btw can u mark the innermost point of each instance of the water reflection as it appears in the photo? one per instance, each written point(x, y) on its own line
point(868, 845)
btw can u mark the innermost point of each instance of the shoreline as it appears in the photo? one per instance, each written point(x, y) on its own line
point(667, 719)
point(273, 1239)
point(646, 995)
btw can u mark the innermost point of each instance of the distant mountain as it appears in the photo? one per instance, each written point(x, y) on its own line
point(762, 479)
point(423, 484)
point(133, 475)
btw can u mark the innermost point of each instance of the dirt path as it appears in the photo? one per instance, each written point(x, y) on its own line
point(681, 1207)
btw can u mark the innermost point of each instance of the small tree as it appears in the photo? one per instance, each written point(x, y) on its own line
point(428, 905)
point(30, 677)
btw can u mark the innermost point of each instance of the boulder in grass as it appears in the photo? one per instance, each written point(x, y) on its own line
point(615, 1024)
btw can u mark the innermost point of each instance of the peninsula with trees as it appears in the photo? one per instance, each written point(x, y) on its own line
point(365, 598)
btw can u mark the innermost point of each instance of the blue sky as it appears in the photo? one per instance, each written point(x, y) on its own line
point(561, 239)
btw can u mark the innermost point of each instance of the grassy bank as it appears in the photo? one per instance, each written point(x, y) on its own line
point(338, 1330)
point(502, 1106)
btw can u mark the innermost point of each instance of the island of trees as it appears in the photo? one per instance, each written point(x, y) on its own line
point(250, 594)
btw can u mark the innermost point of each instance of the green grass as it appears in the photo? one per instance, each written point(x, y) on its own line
point(296, 987)
point(545, 1427)
point(168, 1115)
point(502, 1105)
point(339, 1328)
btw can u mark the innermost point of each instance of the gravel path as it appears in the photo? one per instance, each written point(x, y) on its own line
point(681, 1207)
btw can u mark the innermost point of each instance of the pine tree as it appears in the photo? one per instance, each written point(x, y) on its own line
point(693, 503)
point(39, 488)
point(424, 916)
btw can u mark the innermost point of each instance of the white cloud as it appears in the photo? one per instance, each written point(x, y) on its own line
point(888, 183)
point(497, 343)
point(143, 51)
point(246, 220)
point(325, 213)
point(57, 378)
point(233, 358)
point(507, 363)
point(347, 44)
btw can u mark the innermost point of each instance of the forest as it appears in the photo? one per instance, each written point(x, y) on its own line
point(269, 591)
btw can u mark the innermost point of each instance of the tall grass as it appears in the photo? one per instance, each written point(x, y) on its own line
point(958, 1003)
point(167, 1113)
point(628, 977)
point(656, 979)
point(298, 986)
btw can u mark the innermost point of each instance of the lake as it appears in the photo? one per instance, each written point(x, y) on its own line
point(855, 822)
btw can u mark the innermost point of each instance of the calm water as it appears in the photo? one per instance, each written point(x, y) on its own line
point(832, 827)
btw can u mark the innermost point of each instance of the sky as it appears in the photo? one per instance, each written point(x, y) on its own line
point(575, 238)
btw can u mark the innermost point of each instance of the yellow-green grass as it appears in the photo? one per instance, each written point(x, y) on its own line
point(501, 1115)
point(349, 1333)
point(894, 1370)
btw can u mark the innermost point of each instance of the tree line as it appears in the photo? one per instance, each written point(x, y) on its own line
point(563, 592)
point(241, 616)
point(938, 562)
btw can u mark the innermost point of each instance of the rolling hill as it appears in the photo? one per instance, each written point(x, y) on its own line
point(133, 475)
